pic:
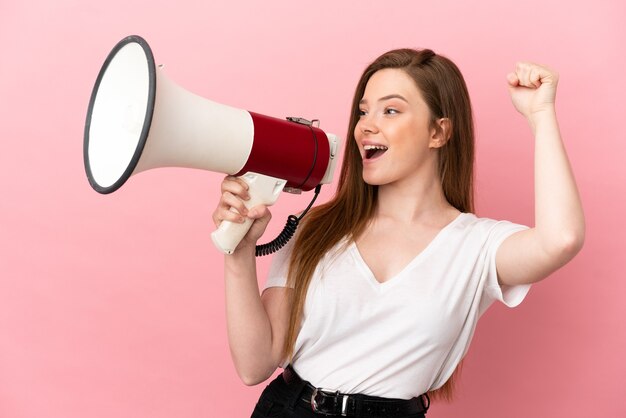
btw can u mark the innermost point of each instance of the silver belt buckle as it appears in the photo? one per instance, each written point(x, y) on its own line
point(322, 392)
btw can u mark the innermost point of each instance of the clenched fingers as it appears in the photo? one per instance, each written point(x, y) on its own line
point(235, 186)
point(528, 74)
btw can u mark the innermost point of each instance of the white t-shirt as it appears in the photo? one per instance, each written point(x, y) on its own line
point(403, 337)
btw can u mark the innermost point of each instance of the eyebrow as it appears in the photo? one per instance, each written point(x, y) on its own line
point(390, 96)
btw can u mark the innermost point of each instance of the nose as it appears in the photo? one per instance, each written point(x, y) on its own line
point(366, 125)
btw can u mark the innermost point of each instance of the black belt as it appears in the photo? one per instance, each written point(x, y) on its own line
point(326, 402)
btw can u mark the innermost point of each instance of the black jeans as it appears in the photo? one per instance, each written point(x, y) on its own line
point(280, 400)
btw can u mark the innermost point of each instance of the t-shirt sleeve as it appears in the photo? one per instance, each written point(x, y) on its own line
point(511, 296)
point(277, 275)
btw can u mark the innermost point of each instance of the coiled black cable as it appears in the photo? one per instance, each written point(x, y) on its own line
point(287, 233)
point(282, 238)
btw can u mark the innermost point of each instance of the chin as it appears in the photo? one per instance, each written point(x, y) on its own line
point(373, 181)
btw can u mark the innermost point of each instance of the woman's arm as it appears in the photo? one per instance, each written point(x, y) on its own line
point(256, 326)
point(531, 255)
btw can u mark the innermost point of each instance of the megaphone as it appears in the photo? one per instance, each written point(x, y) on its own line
point(138, 120)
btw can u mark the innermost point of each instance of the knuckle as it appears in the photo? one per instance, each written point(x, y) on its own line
point(241, 189)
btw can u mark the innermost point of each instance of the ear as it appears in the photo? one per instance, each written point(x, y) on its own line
point(440, 133)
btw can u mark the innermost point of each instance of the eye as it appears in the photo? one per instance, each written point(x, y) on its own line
point(391, 111)
point(362, 112)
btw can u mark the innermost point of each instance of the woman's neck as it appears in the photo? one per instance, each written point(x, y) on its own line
point(414, 201)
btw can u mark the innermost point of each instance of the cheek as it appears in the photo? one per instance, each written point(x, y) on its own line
point(412, 133)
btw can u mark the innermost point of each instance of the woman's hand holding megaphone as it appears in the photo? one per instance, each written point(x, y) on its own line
point(231, 207)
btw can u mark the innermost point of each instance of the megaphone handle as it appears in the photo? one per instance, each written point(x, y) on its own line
point(262, 190)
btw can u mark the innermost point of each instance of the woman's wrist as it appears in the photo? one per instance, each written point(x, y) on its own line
point(240, 260)
point(539, 119)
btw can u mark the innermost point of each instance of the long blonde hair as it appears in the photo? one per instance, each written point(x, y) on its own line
point(348, 213)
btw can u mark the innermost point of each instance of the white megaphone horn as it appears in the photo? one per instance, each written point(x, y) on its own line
point(138, 119)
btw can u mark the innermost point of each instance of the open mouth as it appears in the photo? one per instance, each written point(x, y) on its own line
point(374, 151)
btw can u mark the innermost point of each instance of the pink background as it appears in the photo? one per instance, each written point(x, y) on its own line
point(112, 306)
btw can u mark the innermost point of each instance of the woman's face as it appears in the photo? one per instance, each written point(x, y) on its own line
point(393, 133)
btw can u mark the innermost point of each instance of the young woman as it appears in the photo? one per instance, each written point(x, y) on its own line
point(372, 306)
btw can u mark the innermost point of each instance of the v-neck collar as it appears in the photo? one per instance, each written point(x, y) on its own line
point(420, 256)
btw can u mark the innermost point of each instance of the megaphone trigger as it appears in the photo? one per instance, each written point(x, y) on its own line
point(264, 190)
